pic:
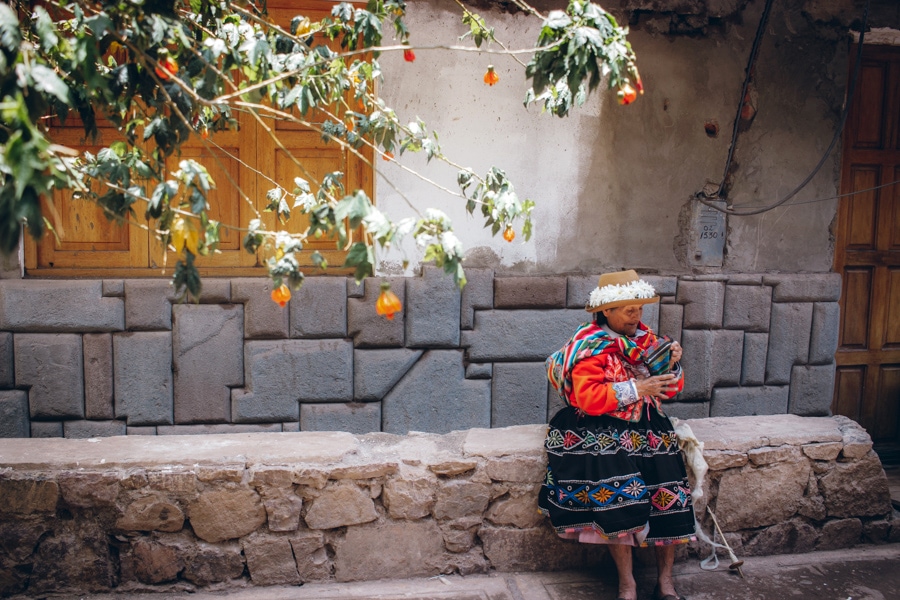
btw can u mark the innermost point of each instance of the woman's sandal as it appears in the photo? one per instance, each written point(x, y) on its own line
point(675, 596)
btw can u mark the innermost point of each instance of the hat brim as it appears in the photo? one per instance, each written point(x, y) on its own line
point(617, 303)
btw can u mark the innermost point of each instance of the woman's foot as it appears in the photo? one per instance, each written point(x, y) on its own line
point(627, 590)
point(666, 591)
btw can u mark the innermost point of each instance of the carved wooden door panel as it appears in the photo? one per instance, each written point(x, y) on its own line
point(867, 251)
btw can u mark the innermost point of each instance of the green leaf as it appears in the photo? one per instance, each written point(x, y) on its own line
point(46, 80)
point(10, 38)
point(362, 257)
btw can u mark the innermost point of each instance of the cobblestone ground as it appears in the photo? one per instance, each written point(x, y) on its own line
point(863, 573)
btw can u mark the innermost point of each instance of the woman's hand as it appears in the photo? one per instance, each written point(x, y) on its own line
point(675, 349)
point(656, 385)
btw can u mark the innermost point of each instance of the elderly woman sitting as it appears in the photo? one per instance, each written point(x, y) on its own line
point(615, 474)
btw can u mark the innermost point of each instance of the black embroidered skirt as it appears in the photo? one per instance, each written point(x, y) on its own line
point(613, 478)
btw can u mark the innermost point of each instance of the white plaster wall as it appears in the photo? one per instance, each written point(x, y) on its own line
point(610, 182)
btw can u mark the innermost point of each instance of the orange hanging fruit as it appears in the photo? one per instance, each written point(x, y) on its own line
point(491, 77)
point(409, 55)
point(387, 156)
point(626, 94)
point(388, 303)
point(166, 67)
point(508, 234)
point(281, 295)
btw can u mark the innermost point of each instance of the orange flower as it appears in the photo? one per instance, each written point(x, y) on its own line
point(388, 303)
point(639, 85)
point(491, 77)
point(409, 55)
point(204, 132)
point(387, 156)
point(626, 95)
point(508, 234)
point(281, 295)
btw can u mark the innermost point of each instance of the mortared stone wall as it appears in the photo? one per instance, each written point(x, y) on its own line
point(188, 513)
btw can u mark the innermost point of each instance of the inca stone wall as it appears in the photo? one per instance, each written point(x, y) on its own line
point(92, 358)
point(142, 513)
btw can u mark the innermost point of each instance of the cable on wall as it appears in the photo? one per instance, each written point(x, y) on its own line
point(704, 198)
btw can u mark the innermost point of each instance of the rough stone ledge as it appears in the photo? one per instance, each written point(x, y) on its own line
point(191, 513)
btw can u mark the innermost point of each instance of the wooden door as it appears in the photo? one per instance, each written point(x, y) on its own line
point(867, 251)
point(84, 237)
point(302, 152)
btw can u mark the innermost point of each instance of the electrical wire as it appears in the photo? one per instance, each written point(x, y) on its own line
point(844, 113)
point(838, 196)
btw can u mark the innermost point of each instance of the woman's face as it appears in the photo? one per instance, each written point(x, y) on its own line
point(624, 319)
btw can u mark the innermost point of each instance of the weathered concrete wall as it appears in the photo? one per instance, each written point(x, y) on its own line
point(100, 358)
point(182, 514)
point(614, 185)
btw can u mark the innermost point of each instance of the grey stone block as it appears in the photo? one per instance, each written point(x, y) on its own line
point(479, 370)
point(704, 303)
point(517, 335)
point(369, 329)
point(215, 290)
point(530, 292)
point(292, 426)
point(745, 279)
point(747, 401)
point(375, 372)
point(93, 429)
point(263, 319)
point(518, 394)
point(319, 308)
point(142, 377)
point(220, 428)
point(578, 290)
point(148, 304)
point(52, 366)
point(823, 341)
point(14, 422)
point(148, 430)
point(432, 310)
point(46, 429)
point(113, 288)
point(554, 402)
point(278, 375)
point(788, 340)
point(40, 305)
point(670, 319)
point(650, 316)
point(664, 286)
point(439, 374)
point(207, 347)
point(812, 389)
point(748, 307)
point(710, 358)
point(478, 294)
point(805, 287)
point(353, 418)
point(98, 376)
point(687, 410)
point(753, 367)
point(356, 290)
point(7, 368)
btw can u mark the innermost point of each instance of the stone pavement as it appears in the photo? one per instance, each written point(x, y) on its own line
point(862, 573)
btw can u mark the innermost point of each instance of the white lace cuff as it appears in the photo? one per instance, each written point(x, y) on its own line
point(626, 393)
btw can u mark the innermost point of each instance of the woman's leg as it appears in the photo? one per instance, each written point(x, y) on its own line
point(665, 559)
point(621, 555)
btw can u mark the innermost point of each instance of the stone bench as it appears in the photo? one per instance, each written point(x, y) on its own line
point(208, 512)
